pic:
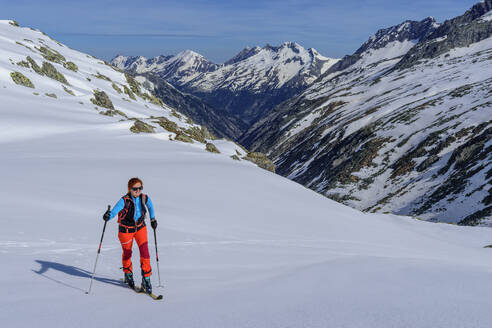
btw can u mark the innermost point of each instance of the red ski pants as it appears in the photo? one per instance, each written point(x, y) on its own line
point(126, 240)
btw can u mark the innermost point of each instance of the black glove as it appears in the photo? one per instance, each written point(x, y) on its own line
point(106, 215)
point(153, 223)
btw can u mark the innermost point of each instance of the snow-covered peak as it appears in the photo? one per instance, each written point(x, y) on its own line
point(387, 44)
point(119, 61)
point(187, 55)
point(257, 68)
point(184, 66)
point(132, 62)
point(190, 60)
point(294, 46)
point(315, 53)
point(460, 31)
point(141, 64)
point(243, 54)
point(478, 11)
point(270, 67)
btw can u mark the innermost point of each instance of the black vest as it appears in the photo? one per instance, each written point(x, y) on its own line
point(125, 216)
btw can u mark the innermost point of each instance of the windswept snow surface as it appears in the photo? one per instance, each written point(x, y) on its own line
point(238, 245)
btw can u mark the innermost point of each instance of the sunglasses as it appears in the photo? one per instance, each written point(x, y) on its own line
point(137, 188)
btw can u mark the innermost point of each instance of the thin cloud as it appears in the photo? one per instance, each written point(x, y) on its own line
point(137, 35)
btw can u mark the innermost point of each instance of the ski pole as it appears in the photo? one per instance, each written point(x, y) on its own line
point(157, 258)
point(98, 251)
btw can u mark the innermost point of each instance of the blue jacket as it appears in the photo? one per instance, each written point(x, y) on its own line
point(138, 210)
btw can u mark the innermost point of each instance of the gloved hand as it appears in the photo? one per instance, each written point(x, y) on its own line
point(153, 223)
point(106, 215)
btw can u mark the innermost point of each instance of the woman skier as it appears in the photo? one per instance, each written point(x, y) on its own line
point(131, 210)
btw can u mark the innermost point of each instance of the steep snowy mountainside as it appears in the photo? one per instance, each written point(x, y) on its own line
point(458, 32)
point(219, 122)
point(246, 86)
point(408, 30)
point(487, 16)
point(243, 54)
point(68, 90)
point(413, 140)
point(388, 43)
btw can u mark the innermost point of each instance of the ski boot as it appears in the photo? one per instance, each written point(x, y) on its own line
point(129, 280)
point(146, 285)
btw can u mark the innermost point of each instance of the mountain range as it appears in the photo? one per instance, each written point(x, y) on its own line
point(245, 87)
point(401, 125)
point(240, 246)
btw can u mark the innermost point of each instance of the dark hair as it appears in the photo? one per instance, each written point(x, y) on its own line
point(134, 181)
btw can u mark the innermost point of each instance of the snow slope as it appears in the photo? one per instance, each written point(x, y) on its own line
point(56, 103)
point(239, 246)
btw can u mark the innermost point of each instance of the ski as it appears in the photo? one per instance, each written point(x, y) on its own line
point(142, 291)
point(139, 290)
point(154, 296)
point(135, 288)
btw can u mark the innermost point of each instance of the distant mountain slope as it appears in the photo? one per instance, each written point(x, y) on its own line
point(247, 86)
point(221, 123)
point(390, 42)
point(458, 32)
point(402, 128)
point(178, 69)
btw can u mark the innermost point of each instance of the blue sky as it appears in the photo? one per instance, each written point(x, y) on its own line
point(219, 29)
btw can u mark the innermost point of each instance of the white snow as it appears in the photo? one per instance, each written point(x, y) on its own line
point(487, 16)
point(239, 246)
point(391, 50)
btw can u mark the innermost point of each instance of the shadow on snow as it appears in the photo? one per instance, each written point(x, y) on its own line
point(73, 271)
